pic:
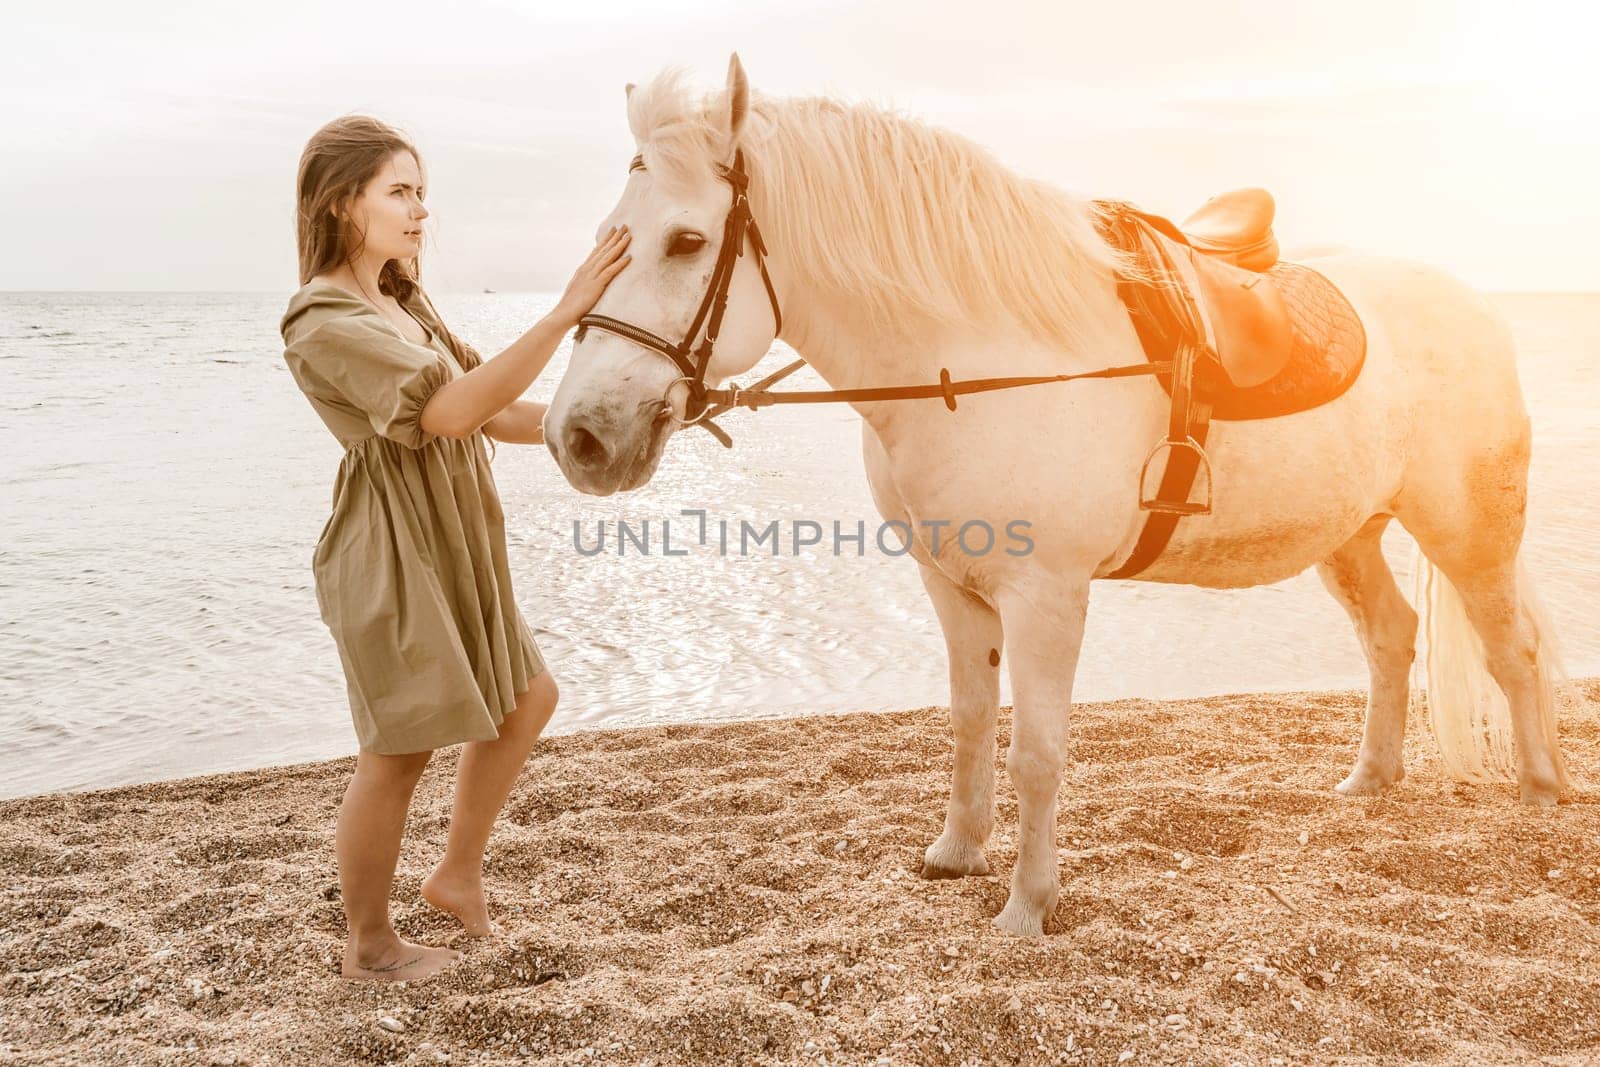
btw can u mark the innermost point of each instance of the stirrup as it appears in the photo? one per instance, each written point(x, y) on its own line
point(1181, 507)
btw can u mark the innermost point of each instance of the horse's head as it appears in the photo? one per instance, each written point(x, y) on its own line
point(623, 393)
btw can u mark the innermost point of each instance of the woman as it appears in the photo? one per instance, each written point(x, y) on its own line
point(411, 570)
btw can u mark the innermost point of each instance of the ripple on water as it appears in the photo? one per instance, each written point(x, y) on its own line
point(162, 620)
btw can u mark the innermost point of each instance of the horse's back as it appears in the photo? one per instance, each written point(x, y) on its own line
point(1433, 319)
point(1451, 346)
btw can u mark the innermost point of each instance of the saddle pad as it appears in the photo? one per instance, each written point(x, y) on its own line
point(1330, 347)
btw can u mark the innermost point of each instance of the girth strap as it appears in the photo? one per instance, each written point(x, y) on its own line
point(1174, 329)
point(1177, 480)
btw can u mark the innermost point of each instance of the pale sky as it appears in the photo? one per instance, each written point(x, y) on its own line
point(154, 146)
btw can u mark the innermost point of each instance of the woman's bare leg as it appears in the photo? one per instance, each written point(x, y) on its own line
point(483, 781)
point(367, 842)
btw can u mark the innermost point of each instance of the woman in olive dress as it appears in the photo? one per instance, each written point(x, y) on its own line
point(411, 572)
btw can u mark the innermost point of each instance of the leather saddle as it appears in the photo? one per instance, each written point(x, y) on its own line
point(1235, 227)
point(1239, 334)
point(1230, 243)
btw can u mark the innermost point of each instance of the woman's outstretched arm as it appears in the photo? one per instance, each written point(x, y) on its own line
point(521, 423)
point(461, 407)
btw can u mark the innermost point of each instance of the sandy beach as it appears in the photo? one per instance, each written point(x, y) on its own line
point(747, 893)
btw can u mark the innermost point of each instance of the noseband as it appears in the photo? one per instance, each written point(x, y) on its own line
point(692, 360)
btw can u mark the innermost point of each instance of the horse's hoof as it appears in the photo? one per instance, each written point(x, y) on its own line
point(1017, 918)
point(933, 872)
point(947, 858)
point(1368, 783)
point(1540, 796)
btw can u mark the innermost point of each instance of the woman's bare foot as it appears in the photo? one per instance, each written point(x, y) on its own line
point(395, 961)
point(461, 897)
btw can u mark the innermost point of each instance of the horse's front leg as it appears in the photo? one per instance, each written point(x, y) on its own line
point(972, 638)
point(1044, 630)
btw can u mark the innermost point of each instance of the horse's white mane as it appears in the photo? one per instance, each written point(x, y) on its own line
point(908, 219)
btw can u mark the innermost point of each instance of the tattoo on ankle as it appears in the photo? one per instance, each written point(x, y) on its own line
point(392, 966)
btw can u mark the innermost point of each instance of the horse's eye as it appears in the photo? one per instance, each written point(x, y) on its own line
point(686, 244)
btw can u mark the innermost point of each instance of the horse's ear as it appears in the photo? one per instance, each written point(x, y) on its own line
point(738, 99)
point(628, 90)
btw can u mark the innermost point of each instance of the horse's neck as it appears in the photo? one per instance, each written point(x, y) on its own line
point(843, 345)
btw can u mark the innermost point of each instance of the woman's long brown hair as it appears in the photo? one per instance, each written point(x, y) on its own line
point(338, 162)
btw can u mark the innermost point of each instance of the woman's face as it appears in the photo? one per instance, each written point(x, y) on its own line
point(389, 210)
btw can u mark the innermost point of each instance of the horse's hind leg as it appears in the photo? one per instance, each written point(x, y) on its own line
point(1468, 521)
point(1360, 579)
point(1521, 663)
point(972, 635)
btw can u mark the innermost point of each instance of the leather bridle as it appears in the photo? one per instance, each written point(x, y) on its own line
point(693, 360)
point(1123, 226)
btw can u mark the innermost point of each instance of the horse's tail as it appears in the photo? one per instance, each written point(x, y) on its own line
point(1466, 708)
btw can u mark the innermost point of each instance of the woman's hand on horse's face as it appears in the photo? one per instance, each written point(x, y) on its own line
point(593, 275)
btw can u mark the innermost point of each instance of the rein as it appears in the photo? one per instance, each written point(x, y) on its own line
point(693, 360)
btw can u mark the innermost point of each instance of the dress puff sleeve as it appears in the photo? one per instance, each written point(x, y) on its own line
point(369, 365)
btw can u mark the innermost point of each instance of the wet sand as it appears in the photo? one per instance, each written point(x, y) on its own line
point(747, 893)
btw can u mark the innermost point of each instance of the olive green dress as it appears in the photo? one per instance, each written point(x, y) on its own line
point(411, 571)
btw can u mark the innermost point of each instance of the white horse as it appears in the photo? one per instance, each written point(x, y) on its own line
point(897, 249)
